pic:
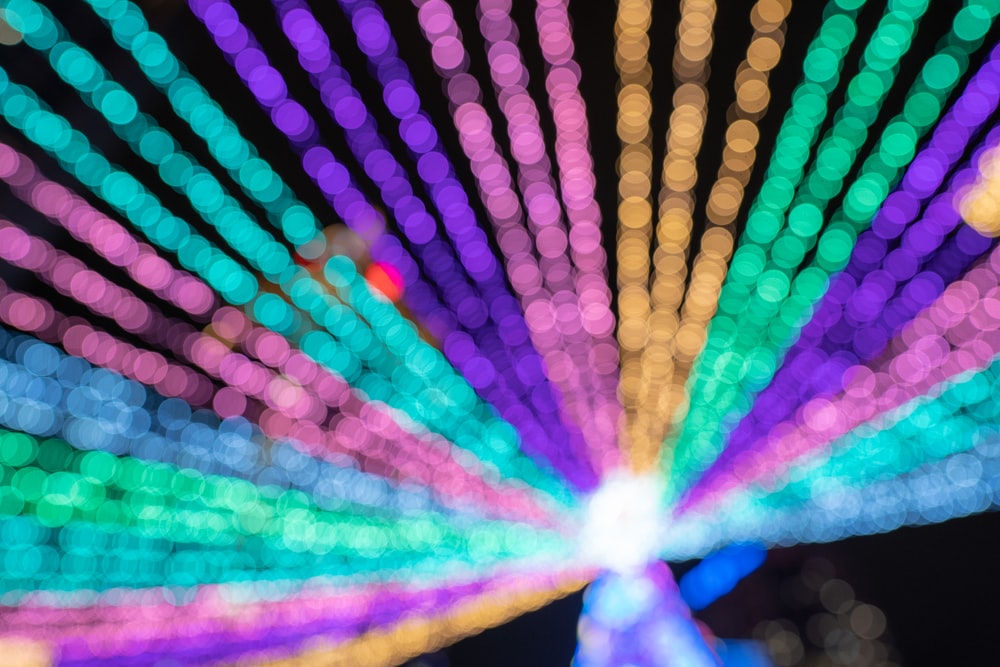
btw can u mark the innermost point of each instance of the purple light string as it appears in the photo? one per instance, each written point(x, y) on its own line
point(484, 355)
point(291, 118)
point(551, 317)
point(898, 267)
point(72, 278)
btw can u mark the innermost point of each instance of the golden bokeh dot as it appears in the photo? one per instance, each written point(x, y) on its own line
point(689, 340)
point(773, 11)
point(718, 241)
point(681, 174)
point(753, 96)
point(763, 54)
point(634, 212)
point(635, 183)
point(742, 136)
point(982, 212)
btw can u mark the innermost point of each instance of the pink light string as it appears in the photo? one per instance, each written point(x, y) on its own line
point(534, 173)
point(296, 392)
point(108, 238)
point(72, 278)
point(34, 315)
point(957, 334)
point(577, 182)
point(557, 320)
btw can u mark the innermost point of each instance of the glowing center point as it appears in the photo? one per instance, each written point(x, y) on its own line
point(624, 523)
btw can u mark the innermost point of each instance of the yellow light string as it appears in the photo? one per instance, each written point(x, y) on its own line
point(420, 634)
point(635, 209)
point(673, 228)
point(979, 205)
point(663, 382)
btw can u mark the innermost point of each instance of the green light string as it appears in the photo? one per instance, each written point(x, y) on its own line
point(749, 347)
point(458, 414)
point(59, 486)
point(793, 145)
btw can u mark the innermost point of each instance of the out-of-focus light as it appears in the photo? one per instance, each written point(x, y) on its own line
point(771, 288)
point(562, 314)
point(8, 34)
point(623, 524)
point(743, 653)
point(426, 627)
point(676, 334)
point(639, 619)
point(980, 203)
point(719, 573)
point(386, 279)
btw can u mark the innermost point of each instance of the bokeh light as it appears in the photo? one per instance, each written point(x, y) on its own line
point(310, 350)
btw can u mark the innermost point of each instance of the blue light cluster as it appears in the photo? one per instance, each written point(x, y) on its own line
point(46, 392)
point(719, 573)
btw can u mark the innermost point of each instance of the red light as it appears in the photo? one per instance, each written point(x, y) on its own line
point(386, 279)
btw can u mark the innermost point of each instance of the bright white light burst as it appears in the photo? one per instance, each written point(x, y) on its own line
point(624, 523)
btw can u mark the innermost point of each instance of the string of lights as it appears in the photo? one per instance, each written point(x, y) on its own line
point(924, 430)
point(150, 427)
point(860, 311)
point(664, 290)
point(664, 382)
point(529, 275)
point(953, 336)
point(427, 632)
point(245, 377)
point(238, 286)
point(134, 130)
point(335, 377)
point(123, 494)
point(219, 633)
point(283, 411)
point(635, 211)
point(547, 223)
point(435, 169)
point(104, 235)
point(577, 189)
point(472, 305)
point(780, 292)
point(935, 480)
